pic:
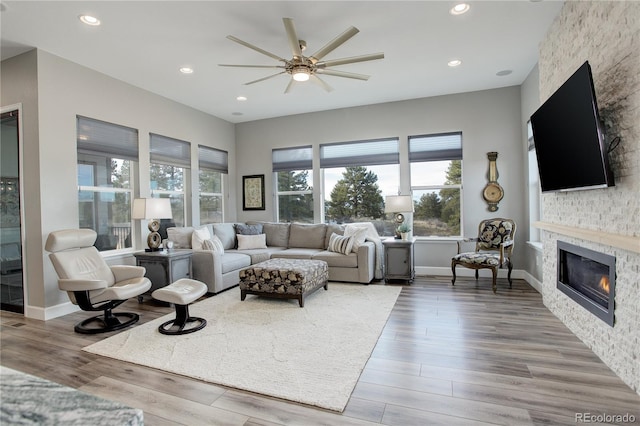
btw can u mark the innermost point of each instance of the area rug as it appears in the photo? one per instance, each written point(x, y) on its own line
point(312, 355)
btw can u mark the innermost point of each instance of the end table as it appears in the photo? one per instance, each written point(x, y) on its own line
point(398, 259)
point(164, 267)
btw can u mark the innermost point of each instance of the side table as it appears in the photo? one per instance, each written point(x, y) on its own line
point(398, 259)
point(164, 267)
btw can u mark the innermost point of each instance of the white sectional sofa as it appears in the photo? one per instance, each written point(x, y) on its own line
point(234, 246)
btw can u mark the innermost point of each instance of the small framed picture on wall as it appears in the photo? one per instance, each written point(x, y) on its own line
point(253, 192)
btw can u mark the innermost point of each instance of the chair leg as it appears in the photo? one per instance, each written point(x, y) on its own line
point(494, 271)
point(477, 274)
point(106, 322)
point(177, 326)
point(509, 274)
point(453, 271)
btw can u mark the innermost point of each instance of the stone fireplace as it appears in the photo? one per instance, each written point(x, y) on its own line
point(588, 277)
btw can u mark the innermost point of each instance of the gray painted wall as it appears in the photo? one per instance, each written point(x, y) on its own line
point(489, 120)
point(64, 90)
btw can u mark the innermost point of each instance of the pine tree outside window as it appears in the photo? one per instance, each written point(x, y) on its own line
point(293, 173)
point(436, 184)
point(357, 176)
point(213, 165)
point(169, 173)
point(107, 155)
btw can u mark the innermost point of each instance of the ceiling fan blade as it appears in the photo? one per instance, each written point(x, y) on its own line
point(251, 66)
point(333, 44)
point(343, 74)
point(351, 60)
point(294, 41)
point(264, 78)
point(321, 82)
point(256, 48)
point(289, 86)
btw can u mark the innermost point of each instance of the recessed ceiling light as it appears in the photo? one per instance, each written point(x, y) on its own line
point(241, 98)
point(454, 62)
point(503, 73)
point(89, 20)
point(186, 70)
point(459, 9)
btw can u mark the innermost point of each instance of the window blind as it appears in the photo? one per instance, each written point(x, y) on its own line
point(174, 152)
point(287, 159)
point(360, 153)
point(213, 159)
point(443, 146)
point(97, 137)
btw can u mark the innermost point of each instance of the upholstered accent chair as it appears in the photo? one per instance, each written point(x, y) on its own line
point(92, 284)
point(494, 247)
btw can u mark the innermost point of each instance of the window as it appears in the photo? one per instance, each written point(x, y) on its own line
point(294, 195)
point(213, 163)
point(170, 163)
point(357, 176)
point(107, 156)
point(436, 184)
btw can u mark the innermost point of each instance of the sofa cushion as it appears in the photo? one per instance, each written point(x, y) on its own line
point(181, 236)
point(248, 242)
point(295, 253)
point(340, 244)
point(232, 261)
point(277, 234)
point(227, 234)
point(332, 228)
point(307, 236)
point(337, 260)
point(199, 236)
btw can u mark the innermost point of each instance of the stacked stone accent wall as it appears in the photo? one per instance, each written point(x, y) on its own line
point(607, 34)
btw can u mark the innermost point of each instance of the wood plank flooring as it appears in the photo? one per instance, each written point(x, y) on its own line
point(448, 355)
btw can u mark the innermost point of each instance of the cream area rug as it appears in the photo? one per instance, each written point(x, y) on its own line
point(312, 355)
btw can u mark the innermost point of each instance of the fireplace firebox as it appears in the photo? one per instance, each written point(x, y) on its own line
point(589, 278)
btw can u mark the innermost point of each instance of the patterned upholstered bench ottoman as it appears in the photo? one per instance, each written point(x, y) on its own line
point(284, 278)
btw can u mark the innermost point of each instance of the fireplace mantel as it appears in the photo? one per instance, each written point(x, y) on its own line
point(624, 242)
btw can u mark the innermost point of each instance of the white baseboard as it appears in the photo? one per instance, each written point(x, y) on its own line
point(44, 314)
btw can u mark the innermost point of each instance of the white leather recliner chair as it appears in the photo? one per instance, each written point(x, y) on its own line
point(91, 283)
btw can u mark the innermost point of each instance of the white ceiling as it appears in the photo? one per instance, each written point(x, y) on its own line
point(144, 43)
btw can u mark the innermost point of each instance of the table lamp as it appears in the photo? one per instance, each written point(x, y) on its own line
point(153, 209)
point(398, 204)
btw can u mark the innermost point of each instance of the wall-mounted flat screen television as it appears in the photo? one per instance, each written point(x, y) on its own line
point(568, 138)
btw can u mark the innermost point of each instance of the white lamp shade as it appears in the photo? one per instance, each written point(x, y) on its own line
point(151, 208)
point(398, 204)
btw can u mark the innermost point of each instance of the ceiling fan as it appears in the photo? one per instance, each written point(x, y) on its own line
point(303, 68)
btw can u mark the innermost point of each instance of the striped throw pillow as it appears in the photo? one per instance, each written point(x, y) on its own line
point(340, 244)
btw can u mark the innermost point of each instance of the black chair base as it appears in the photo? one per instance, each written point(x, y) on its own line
point(178, 325)
point(106, 323)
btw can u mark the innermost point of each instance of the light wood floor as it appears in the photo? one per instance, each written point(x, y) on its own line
point(448, 355)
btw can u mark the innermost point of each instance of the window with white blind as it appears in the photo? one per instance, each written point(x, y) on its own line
point(169, 173)
point(107, 159)
point(357, 176)
point(293, 173)
point(213, 165)
point(436, 184)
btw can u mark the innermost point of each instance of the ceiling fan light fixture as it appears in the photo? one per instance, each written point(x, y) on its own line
point(300, 73)
point(459, 9)
point(89, 20)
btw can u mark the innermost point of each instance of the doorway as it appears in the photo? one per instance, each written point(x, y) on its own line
point(11, 276)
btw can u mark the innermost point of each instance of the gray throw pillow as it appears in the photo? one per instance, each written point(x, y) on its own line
point(307, 236)
point(243, 229)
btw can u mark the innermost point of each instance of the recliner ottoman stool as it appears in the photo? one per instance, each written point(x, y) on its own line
point(284, 278)
point(181, 293)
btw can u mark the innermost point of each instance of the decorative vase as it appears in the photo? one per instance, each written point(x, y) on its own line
point(404, 236)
